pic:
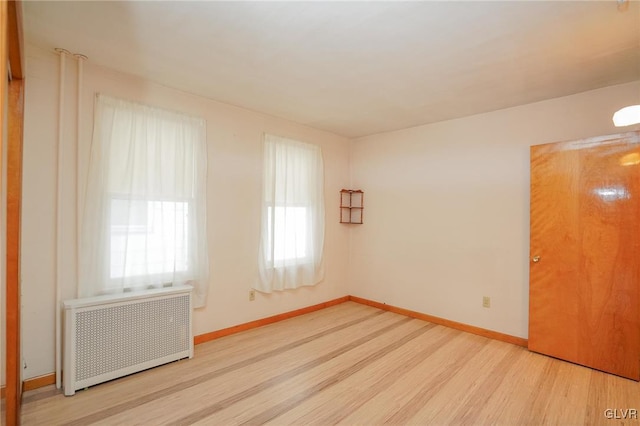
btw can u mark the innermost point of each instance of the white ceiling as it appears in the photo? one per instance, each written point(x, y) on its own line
point(354, 68)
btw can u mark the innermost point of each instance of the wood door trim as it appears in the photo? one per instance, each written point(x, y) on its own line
point(12, 53)
point(14, 41)
point(14, 200)
point(3, 87)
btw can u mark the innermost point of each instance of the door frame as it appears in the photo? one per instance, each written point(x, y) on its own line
point(12, 86)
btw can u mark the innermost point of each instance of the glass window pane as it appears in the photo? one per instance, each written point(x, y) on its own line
point(289, 233)
point(148, 237)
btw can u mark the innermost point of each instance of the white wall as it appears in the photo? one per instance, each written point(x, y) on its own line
point(447, 207)
point(234, 139)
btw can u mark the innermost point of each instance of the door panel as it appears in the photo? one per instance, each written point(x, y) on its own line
point(585, 226)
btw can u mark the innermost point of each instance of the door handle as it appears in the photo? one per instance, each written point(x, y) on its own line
point(536, 259)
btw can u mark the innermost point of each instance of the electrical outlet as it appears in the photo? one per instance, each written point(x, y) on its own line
point(486, 302)
point(252, 295)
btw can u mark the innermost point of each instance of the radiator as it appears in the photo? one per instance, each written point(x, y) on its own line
point(107, 337)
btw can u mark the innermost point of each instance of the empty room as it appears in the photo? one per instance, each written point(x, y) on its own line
point(320, 212)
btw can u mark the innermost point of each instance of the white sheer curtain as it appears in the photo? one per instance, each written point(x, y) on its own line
point(144, 223)
point(292, 234)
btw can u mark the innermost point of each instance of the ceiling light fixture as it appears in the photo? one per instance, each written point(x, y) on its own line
point(627, 116)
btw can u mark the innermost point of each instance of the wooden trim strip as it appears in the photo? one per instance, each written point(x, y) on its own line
point(35, 383)
point(287, 375)
point(13, 373)
point(202, 338)
point(442, 321)
point(14, 41)
point(39, 382)
point(143, 399)
point(3, 89)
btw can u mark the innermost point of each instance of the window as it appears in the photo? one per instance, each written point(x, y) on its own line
point(148, 238)
point(289, 242)
point(292, 235)
point(144, 221)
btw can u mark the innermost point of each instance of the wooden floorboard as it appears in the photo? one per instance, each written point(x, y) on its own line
point(348, 364)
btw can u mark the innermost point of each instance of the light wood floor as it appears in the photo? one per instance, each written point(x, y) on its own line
point(348, 364)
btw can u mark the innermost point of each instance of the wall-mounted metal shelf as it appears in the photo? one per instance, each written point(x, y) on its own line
point(351, 206)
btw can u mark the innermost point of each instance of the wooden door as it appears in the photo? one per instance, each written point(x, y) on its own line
point(584, 280)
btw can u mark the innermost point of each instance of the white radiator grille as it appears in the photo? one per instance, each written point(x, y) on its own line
point(122, 335)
